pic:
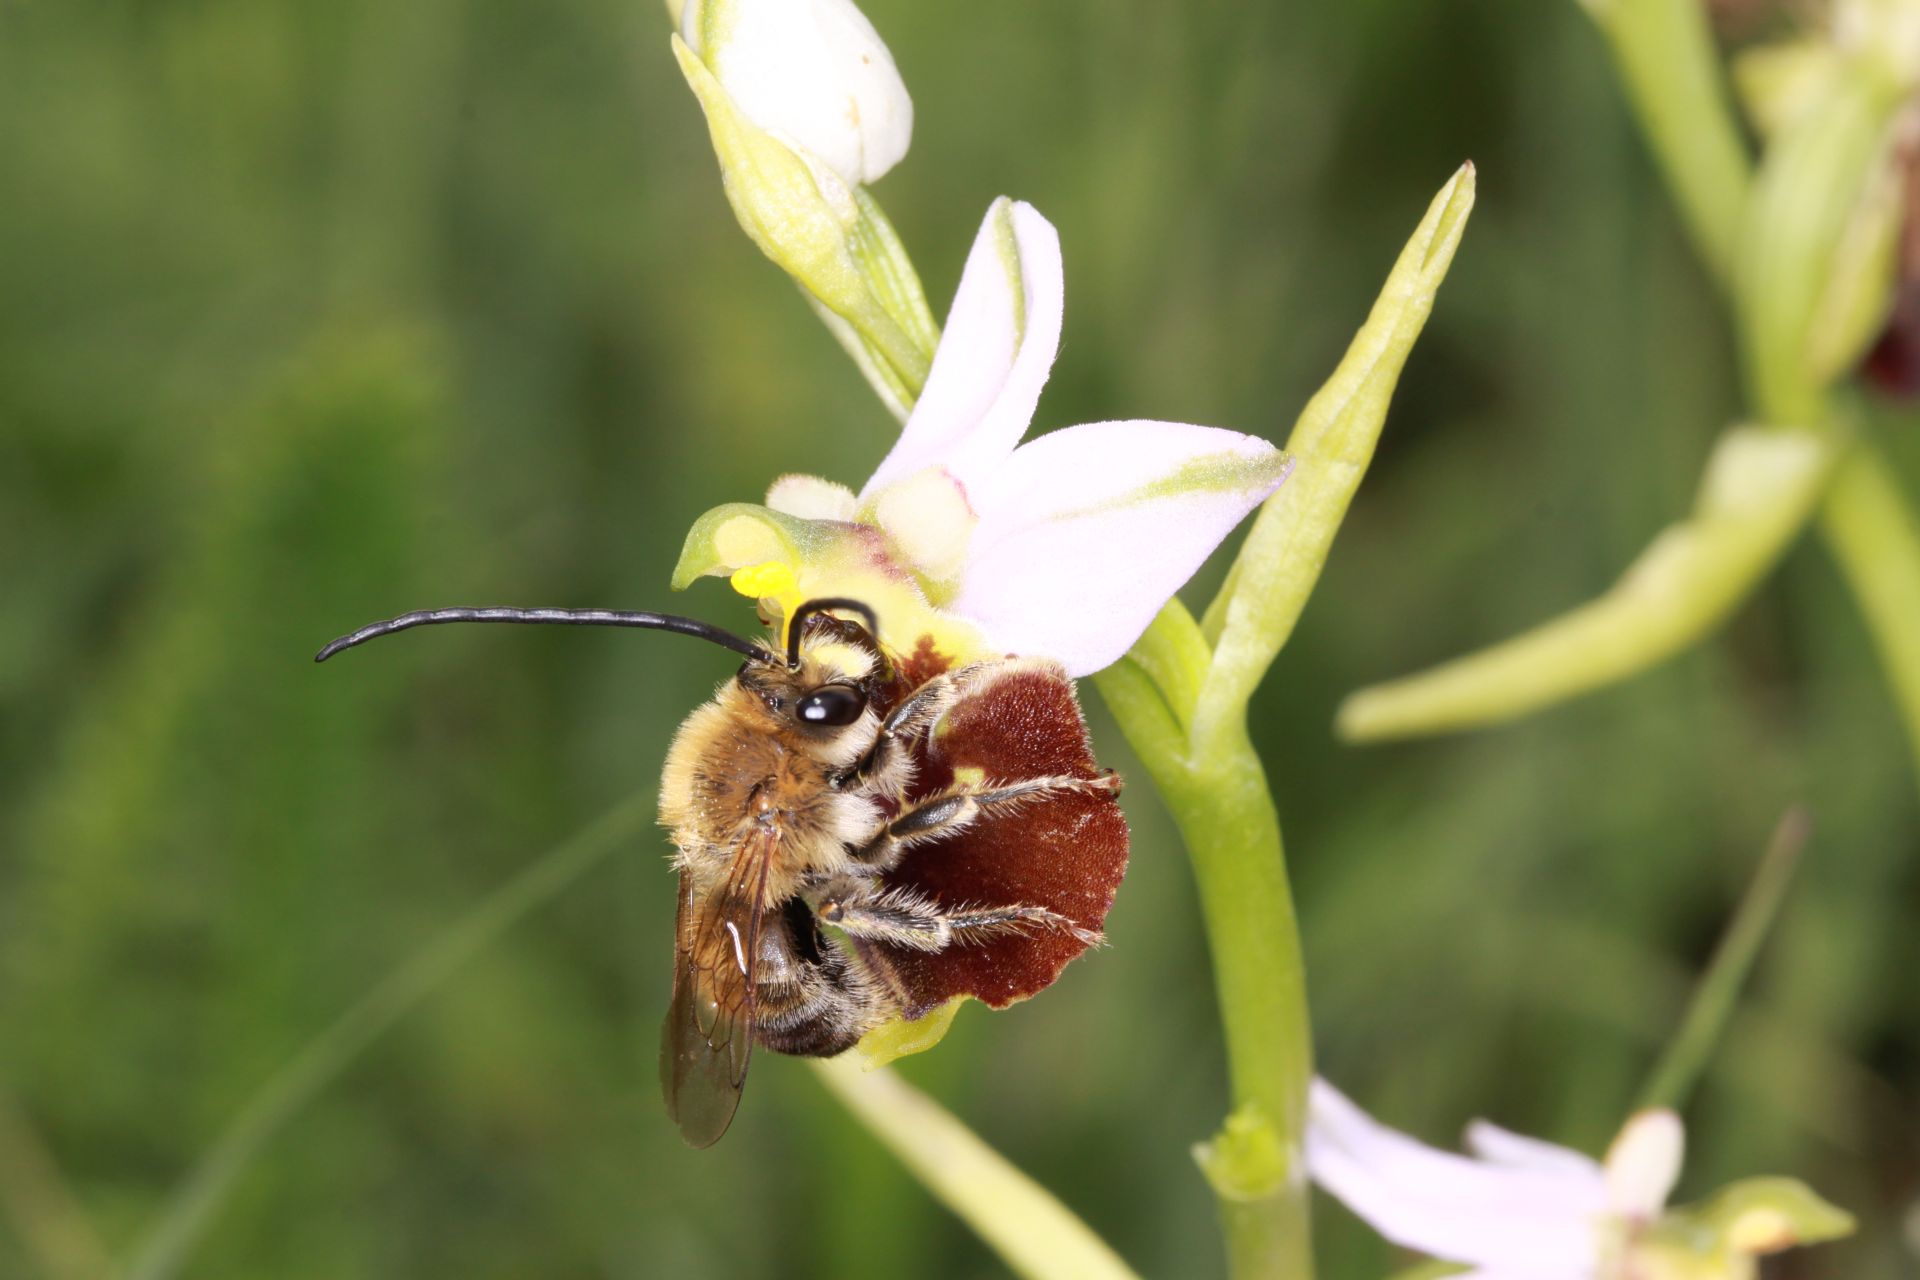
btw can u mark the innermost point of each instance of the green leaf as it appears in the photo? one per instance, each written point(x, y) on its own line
point(1759, 489)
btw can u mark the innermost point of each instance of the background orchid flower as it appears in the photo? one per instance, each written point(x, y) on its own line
point(1064, 547)
point(1519, 1208)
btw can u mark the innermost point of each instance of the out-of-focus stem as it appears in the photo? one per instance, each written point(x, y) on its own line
point(42, 1209)
point(187, 1215)
point(1718, 994)
point(1870, 528)
point(1031, 1231)
point(1666, 56)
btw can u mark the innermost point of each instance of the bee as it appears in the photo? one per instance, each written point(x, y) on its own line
point(920, 812)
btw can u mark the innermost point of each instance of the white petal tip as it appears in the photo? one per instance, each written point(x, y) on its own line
point(1644, 1162)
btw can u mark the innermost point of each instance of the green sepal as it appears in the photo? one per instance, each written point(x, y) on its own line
point(1778, 82)
point(1815, 243)
point(738, 534)
point(1719, 1238)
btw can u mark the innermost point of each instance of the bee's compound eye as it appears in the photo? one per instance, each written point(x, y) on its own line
point(834, 704)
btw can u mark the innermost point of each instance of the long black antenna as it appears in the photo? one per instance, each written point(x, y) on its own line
point(565, 617)
point(797, 622)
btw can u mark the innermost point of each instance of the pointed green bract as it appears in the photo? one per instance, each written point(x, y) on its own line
point(1332, 444)
point(1180, 696)
point(1759, 491)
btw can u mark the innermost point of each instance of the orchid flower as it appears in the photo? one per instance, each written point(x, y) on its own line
point(1064, 547)
point(1523, 1209)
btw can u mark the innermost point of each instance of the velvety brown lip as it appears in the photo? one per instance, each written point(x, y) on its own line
point(1067, 853)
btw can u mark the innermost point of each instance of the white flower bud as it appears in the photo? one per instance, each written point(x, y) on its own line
point(813, 73)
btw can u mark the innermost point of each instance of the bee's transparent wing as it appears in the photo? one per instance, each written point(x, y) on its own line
point(708, 1037)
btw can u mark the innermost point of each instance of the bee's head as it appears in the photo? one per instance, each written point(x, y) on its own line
point(825, 683)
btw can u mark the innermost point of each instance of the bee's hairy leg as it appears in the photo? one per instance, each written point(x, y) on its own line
point(958, 807)
point(908, 919)
point(919, 709)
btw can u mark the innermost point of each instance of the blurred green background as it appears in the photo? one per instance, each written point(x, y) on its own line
point(310, 314)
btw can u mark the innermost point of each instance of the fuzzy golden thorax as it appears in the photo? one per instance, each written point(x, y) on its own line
point(746, 763)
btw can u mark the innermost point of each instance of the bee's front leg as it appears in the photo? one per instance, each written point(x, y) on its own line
point(908, 919)
point(921, 708)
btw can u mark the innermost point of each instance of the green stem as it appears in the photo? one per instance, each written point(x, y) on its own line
point(1031, 1231)
point(1217, 792)
point(1718, 994)
point(192, 1207)
point(1226, 816)
point(1871, 530)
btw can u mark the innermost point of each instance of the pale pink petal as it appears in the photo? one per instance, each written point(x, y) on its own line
point(994, 357)
point(1086, 532)
point(1446, 1205)
point(1502, 1146)
point(1644, 1163)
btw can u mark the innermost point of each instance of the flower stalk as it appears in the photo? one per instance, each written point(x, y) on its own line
point(1032, 1232)
point(1663, 50)
point(1870, 527)
point(1715, 999)
point(1182, 702)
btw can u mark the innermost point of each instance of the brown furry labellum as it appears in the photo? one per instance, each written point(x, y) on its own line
point(1065, 852)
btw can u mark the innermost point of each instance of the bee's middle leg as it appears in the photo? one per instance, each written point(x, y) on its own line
point(959, 807)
